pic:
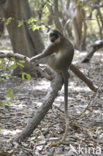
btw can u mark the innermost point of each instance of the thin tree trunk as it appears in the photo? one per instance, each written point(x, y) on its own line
point(24, 40)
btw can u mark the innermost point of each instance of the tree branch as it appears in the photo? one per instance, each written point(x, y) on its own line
point(40, 114)
point(27, 60)
point(74, 69)
point(78, 73)
point(95, 46)
point(14, 55)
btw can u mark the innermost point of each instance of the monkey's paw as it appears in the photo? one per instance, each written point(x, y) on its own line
point(55, 143)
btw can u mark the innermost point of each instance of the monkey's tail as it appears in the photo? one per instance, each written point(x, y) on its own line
point(65, 78)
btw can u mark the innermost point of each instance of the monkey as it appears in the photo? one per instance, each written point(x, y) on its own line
point(59, 55)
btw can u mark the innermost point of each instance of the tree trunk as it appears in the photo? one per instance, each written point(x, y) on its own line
point(1, 27)
point(24, 40)
point(76, 14)
point(56, 17)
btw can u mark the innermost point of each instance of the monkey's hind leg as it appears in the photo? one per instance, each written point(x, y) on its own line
point(65, 75)
point(63, 137)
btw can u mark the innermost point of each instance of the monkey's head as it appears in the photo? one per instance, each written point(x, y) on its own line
point(55, 36)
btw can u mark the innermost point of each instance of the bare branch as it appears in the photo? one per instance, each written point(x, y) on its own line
point(14, 55)
point(83, 77)
point(40, 114)
point(94, 47)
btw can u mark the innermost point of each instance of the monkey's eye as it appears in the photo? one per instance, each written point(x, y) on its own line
point(54, 34)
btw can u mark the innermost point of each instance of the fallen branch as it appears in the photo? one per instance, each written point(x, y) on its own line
point(40, 114)
point(95, 46)
point(83, 77)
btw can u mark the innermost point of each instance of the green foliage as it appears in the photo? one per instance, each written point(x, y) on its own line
point(46, 9)
point(26, 76)
point(20, 23)
point(8, 21)
point(20, 64)
point(32, 22)
point(13, 66)
point(10, 93)
point(16, 64)
point(3, 102)
point(3, 19)
point(34, 27)
point(10, 98)
point(2, 63)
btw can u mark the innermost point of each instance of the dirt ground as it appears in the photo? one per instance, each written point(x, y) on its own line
point(85, 136)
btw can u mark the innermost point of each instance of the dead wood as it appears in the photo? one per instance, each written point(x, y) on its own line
point(78, 73)
point(42, 111)
point(94, 47)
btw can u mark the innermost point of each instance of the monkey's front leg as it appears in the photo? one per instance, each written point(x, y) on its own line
point(34, 58)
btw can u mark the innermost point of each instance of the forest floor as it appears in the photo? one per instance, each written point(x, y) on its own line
point(85, 136)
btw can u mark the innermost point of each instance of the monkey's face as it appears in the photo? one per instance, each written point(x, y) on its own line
point(54, 37)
